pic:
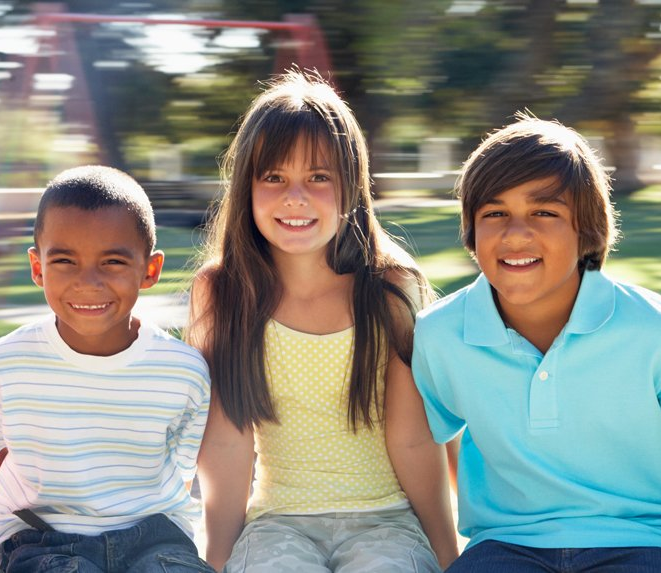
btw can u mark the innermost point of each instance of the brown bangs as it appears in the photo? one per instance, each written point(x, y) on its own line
point(280, 132)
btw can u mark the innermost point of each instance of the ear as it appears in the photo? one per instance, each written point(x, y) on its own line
point(154, 268)
point(35, 267)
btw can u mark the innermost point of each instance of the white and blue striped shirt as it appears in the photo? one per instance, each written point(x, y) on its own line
point(99, 442)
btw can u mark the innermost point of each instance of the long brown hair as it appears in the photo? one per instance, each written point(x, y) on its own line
point(243, 285)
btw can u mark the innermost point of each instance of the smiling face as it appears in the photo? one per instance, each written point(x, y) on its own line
point(295, 204)
point(527, 247)
point(91, 265)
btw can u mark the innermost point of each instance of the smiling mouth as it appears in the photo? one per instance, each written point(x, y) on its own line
point(90, 306)
point(521, 262)
point(297, 222)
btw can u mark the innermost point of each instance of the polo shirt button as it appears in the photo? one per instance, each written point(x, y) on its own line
point(543, 375)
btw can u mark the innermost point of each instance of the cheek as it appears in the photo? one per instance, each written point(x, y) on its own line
point(483, 237)
point(332, 207)
point(569, 241)
point(258, 207)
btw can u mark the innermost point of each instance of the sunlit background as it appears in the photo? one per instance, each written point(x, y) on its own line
point(156, 88)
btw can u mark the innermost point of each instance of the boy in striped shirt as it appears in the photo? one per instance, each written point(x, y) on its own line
point(101, 414)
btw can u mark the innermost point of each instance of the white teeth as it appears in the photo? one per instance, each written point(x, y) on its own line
point(519, 262)
point(296, 222)
point(89, 306)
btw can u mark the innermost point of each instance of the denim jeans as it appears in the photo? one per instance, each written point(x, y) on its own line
point(155, 545)
point(498, 557)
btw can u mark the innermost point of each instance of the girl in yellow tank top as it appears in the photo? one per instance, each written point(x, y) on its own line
point(304, 311)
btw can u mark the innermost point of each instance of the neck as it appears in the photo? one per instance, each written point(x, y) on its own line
point(540, 322)
point(304, 275)
point(314, 299)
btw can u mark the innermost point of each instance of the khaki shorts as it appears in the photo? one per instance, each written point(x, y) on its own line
point(386, 541)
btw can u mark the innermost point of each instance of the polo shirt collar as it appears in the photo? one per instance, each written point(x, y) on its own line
point(482, 323)
point(595, 304)
point(483, 326)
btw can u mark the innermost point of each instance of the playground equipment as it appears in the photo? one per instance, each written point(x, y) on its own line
point(52, 80)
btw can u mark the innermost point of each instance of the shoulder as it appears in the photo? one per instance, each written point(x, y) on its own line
point(449, 305)
point(26, 334)
point(179, 352)
point(413, 284)
point(443, 322)
point(200, 328)
point(206, 285)
point(204, 278)
point(621, 306)
point(635, 298)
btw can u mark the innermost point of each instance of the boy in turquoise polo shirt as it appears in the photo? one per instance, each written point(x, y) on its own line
point(551, 369)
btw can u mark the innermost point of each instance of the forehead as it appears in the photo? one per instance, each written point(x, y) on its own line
point(304, 148)
point(90, 230)
point(543, 190)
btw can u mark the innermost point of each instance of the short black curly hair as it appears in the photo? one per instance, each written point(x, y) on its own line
point(92, 187)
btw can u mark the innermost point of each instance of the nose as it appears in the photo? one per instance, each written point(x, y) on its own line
point(88, 279)
point(296, 195)
point(517, 232)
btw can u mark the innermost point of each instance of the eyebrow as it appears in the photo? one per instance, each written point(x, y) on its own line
point(316, 167)
point(537, 198)
point(119, 251)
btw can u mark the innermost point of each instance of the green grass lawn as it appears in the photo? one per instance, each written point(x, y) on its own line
point(432, 234)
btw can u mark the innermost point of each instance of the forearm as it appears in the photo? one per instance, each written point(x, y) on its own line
point(225, 467)
point(223, 527)
point(420, 464)
point(422, 473)
point(225, 489)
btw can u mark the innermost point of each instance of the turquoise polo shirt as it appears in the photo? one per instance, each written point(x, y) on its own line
point(561, 449)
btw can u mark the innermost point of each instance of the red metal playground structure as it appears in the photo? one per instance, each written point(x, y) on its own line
point(299, 41)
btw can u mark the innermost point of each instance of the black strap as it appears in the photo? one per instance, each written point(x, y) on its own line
point(33, 520)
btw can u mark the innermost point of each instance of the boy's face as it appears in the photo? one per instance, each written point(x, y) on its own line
point(527, 247)
point(91, 265)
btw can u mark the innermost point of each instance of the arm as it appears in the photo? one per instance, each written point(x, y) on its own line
point(225, 471)
point(3, 455)
point(225, 459)
point(453, 455)
point(421, 464)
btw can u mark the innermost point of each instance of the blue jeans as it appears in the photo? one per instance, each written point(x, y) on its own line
point(499, 557)
point(155, 545)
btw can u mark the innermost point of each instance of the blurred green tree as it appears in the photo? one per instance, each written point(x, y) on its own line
point(410, 70)
point(584, 63)
point(464, 67)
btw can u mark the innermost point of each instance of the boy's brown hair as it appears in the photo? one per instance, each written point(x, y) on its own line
point(530, 149)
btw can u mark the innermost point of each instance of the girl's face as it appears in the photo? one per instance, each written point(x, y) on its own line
point(296, 205)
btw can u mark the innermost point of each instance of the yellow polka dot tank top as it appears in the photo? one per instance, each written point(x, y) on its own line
point(312, 461)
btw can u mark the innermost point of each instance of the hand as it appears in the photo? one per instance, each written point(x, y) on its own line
point(3, 455)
